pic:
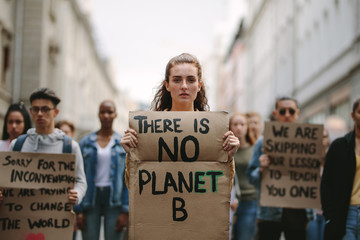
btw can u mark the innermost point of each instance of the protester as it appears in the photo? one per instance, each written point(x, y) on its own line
point(67, 127)
point(182, 90)
point(316, 227)
point(273, 221)
point(245, 223)
point(255, 124)
point(17, 121)
point(107, 195)
point(45, 138)
point(340, 184)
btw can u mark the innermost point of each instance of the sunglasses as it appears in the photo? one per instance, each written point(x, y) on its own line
point(283, 111)
point(44, 109)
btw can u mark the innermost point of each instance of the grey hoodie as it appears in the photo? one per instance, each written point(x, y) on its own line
point(53, 143)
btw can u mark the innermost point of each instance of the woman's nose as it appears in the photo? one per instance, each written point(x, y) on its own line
point(183, 84)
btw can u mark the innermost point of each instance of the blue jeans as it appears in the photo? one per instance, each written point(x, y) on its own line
point(93, 217)
point(316, 228)
point(353, 224)
point(245, 224)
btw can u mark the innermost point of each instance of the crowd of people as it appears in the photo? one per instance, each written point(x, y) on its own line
point(102, 171)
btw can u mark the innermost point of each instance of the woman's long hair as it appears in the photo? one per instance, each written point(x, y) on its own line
point(16, 107)
point(162, 100)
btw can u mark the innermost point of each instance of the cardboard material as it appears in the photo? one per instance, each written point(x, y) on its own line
point(31, 209)
point(177, 199)
point(184, 128)
point(293, 177)
point(36, 170)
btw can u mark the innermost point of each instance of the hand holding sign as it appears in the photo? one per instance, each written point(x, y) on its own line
point(72, 195)
point(291, 165)
point(180, 175)
point(231, 144)
point(129, 140)
point(264, 162)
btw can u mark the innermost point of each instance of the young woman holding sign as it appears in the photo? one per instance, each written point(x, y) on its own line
point(340, 184)
point(182, 90)
point(245, 223)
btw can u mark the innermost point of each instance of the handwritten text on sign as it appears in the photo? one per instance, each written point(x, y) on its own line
point(35, 187)
point(34, 170)
point(293, 177)
point(179, 173)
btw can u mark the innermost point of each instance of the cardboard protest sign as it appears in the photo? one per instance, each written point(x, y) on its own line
point(26, 213)
point(293, 178)
point(172, 197)
point(179, 136)
point(36, 170)
point(35, 187)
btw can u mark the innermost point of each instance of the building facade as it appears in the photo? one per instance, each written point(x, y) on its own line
point(51, 44)
point(306, 49)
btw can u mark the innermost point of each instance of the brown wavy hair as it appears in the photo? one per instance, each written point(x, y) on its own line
point(162, 100)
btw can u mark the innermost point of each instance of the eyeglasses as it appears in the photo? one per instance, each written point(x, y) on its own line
point(44, 109)
point(283, 111)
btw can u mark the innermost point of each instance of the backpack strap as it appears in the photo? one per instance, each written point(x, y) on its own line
point(19, 143)
point(67, 145)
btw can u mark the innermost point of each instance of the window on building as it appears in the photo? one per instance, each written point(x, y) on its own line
point(5, 56)
point(52, 9)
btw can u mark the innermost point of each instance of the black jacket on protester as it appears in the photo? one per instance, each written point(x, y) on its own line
point(337, 183)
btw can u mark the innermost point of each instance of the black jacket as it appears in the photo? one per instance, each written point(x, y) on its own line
point(337, 183)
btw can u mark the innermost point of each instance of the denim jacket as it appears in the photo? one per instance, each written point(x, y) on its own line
point(119, 195)
point(253, 174)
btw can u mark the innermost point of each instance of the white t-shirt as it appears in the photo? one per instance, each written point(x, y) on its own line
point(102, 178)
point(4, 145)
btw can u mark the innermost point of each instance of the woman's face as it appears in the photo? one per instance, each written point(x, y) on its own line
point(15, 124)
point(356, 117)
point(67, 130)
point(255, 124)
point(239, 126)
point(107, 114)
point(183, 85)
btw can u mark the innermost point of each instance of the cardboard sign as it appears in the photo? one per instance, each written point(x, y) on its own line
point(36, 170)
point(172, 197)
point(293, 178)
point(179, 136)
point(35, 187)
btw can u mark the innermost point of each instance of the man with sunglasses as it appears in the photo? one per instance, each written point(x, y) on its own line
point(272, 222)
point(45, 138)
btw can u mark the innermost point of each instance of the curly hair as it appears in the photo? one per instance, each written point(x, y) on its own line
point(162, 100)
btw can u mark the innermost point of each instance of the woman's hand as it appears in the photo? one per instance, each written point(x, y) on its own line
point(129, 140)
point(122, 221)
point(264, 162)
point(231, 144)
point(1, 197)
point(80, 222)
point(72, 196)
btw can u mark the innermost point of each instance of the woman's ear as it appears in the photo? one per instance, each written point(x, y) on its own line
point(166, 84)
point(200, 85)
